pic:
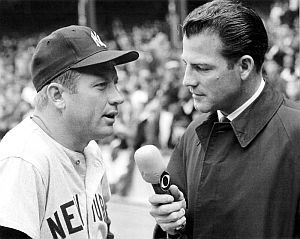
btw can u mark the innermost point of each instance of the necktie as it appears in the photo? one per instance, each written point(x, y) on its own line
point(224, 119)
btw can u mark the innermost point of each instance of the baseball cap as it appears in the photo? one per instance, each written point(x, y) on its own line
point(72, 47)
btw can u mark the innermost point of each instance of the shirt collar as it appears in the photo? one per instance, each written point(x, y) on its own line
point(239, 110)
point(250, 122)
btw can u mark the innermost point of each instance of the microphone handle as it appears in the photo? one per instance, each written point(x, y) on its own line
point(158, 189)
point(163, 186)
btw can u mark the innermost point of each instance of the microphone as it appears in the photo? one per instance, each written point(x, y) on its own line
point(152, 168)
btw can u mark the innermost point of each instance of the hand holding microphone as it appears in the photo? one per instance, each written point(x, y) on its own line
point(168, 204)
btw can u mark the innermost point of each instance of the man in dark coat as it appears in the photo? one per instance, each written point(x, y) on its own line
point(238, 171)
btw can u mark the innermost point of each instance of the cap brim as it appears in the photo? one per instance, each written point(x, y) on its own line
point(118, 57)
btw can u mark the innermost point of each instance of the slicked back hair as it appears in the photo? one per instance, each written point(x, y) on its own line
point(240, 29)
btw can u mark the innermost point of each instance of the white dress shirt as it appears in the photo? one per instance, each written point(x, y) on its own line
point(244, 106)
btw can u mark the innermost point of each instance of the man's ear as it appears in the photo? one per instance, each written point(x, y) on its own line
point(55, 95)
point(246, 66)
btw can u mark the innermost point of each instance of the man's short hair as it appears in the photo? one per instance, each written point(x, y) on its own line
point(240, 29)
point(69, 80)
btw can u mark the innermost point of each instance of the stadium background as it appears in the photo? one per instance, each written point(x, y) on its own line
point(157, 108)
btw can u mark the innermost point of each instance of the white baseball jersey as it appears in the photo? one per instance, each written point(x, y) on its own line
point(48, 191)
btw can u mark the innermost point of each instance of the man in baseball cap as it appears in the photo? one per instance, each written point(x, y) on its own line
point(72, 47)
point(53, 181)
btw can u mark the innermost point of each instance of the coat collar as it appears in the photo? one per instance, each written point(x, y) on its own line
point(251, 121)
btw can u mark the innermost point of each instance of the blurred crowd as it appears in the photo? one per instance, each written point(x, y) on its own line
point(157, 107)
point(282, 63)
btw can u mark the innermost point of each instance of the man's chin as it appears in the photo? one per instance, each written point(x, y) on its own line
point(202, 108)
point(105, 133)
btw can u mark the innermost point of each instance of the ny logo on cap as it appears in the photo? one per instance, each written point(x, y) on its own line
point(97, 39)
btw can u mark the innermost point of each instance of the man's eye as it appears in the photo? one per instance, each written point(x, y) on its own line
point(199, 68)
point(102, 85)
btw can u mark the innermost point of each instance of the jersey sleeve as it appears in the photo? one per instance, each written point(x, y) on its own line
point(22, 196)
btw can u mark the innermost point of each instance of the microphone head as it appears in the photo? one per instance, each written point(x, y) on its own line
point(150, 163)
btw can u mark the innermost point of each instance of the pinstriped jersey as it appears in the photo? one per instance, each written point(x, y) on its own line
point(49, 191)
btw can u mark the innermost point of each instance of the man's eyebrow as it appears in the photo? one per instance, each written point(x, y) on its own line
point(195, 63)
point(98, 80)
point(200, 64)
point(105, 78)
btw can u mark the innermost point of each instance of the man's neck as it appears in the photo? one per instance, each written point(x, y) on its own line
point(54, 127)
point(245, 105)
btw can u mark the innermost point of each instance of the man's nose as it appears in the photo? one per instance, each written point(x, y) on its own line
point(189, 79)
point(116, 97)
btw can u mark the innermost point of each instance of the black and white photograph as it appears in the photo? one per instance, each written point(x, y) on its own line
point(149, 119)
